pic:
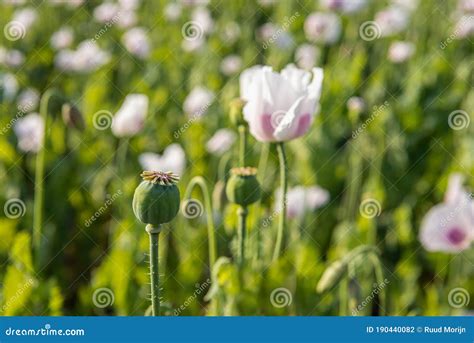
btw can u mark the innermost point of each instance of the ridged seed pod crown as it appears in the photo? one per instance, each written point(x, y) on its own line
point(243, 187)
point(156, 200)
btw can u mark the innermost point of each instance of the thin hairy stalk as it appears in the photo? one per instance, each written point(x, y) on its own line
point(243, 144)
point(154, 232)
point(242, 213)
point(39, 175)
point(284, 189)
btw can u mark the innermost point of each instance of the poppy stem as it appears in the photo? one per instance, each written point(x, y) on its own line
point(243, 145)
point(39, 177)
point(154, 232)
point(284, 189)
point(242, 213)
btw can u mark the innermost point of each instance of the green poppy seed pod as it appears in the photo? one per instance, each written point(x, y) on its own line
point(72, 117)
point(236, 112)
point(242, 187)
point(331, 276)
point(156, 199)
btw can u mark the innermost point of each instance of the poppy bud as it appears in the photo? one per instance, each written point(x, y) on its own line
point(72, 117)
point(331, 276)
point(156, 199)
point(243, 187)
point(236, 112)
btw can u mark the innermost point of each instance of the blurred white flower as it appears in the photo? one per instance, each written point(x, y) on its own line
point(449, 227)
point(231, 32)
point(28, 100)
point(306, 56)
point(356, 104)
point(106, 12)
point(26, 16)
point(9, 85)
point(221, 141)
point(173, 11)
point(136, 42)
point(129, 5)
point(202, 17)
point(322, 27)
point(399, 52)
point(195, 2)
point(198, 101)
point(126, 19)
point(173, 159)
point(301, 200)
point(29, 131)
point(345, 6)
point(130, 118)
point(464, 27)
point(88, 57)
point(266, 3)
point(14, 2)
point(11, 58)
point(271, 34)
point(62, 38)
point(409, 5)
point(68, 3)
point(280, 106)
point(466, 5)
point(191, 45)
point(392, 20)
point(231, 65)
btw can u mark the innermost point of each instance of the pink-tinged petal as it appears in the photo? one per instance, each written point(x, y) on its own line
point(262, 129)
point(447, 228)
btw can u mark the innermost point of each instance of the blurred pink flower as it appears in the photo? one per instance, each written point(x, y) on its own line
point(29, 131)
point(301, 200)
point(356, 104)
point(221, 141)
point(323, 27)
point(11, 58)
point(280, 106)
point(28, 100)
point(106, 12)
point(173, 159)
point(88, 57)
point(173, 11)
point(399, 52)
point(26, 16)
point(202, 17)
point(130, 118)
point(449, 227)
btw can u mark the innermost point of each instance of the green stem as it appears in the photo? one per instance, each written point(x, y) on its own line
point(380, 282)
point(121, 156)
point(243, 144)
point(211, 236)
point(262, 166)
point(343, 296)
point(242, 213)
point(39, 175)
point(284, 189)
point(154, 232)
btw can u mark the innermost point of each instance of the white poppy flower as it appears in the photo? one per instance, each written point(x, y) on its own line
point(30, 132)
point(221, 141)
point(130, 118)
point(280, 106)
point(173, 159)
